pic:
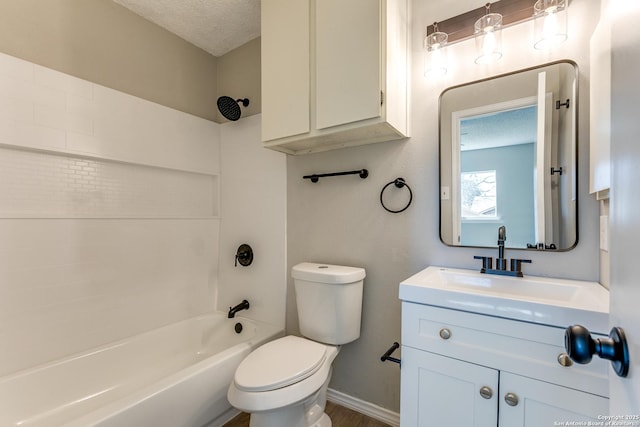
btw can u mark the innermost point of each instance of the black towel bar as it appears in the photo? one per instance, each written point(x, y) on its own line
point(316, 176)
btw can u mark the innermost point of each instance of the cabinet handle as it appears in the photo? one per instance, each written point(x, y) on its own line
point(511, 399)
point(445, 333)
point(486, 392)
point(564, 360)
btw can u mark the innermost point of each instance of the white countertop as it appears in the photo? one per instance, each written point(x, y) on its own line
point(549, 301)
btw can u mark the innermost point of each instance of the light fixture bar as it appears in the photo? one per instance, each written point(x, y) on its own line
point(460, 27)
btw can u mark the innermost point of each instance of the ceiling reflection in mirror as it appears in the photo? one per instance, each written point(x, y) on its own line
point(508, 157)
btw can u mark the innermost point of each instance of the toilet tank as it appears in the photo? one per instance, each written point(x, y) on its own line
point(329, 299)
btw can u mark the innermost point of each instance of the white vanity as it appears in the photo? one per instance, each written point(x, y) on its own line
point(483, 350)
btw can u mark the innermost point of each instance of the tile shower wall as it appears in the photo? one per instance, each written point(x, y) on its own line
point(109, 215)
point(253, 197)
point(43, 185)
point(47, 110)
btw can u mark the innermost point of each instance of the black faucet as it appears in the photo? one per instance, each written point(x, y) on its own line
point(501, 261)
point(244, 305)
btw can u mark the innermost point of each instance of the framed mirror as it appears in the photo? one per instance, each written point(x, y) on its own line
point(508, 157)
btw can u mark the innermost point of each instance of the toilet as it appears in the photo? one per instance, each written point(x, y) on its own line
point(284, 382)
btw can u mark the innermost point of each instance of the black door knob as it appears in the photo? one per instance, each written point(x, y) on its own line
point(581, 347)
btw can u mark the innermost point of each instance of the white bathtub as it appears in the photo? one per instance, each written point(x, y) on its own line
point(173, 376)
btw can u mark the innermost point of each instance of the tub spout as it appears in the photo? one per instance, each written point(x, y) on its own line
point(244, 305)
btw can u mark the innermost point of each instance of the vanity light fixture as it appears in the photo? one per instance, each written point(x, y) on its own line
point(488, 35)
point(485, 25)
point(435, 44)
point(550, 25)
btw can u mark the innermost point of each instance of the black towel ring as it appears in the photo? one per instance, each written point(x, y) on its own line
point(399, 183)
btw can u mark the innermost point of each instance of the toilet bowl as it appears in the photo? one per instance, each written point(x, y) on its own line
point(284, 382)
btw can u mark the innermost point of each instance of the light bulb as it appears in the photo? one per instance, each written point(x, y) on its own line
point(489, 43)
point(550, 26)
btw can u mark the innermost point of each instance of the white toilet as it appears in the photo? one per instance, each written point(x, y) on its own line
point(284, 382)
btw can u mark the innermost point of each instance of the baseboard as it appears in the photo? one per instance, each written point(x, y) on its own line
point(223, 418)
point(366, 408)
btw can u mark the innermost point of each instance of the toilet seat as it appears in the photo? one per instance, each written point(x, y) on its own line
point(280, 363)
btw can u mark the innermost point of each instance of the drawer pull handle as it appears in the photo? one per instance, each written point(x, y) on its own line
point(486, 392)
point(511, 399)
point(564, 360)
point(445, 333)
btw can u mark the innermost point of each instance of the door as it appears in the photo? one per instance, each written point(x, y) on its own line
point(542, 195)
point(543, 190)
point(625, 198)
point(525, 402)
point(439, 391)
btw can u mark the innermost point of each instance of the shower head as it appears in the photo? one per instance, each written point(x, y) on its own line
point(229, 107)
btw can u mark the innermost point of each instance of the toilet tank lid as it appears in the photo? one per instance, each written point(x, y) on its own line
point(327, 273)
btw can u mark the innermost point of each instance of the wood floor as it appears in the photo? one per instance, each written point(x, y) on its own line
point(340, 417)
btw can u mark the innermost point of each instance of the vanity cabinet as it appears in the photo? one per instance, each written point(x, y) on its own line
point(334, 73)
point(466, 369)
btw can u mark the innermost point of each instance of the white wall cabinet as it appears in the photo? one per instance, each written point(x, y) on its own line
point(334, 73)
point(464, 369)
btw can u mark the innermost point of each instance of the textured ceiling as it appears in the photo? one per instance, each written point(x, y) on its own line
point(216, 26)
point(511, 127)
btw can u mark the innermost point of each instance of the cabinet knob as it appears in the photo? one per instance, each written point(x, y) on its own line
point(486, 392)
point(445, 333)
point(511, 399)
point(564, 360)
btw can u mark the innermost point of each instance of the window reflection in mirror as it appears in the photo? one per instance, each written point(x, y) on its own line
point(499, 140)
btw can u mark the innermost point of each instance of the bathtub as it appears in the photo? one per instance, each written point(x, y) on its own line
point(173, 376)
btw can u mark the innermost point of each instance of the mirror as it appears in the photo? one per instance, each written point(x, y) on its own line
point(508, 156)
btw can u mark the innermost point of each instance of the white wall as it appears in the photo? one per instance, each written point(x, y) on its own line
point(253, 211)
point(340, 220)
point(108, 215)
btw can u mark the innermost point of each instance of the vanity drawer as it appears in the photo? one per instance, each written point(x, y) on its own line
point(522, 348)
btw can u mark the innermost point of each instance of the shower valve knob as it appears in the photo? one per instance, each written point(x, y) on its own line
point(244, 255)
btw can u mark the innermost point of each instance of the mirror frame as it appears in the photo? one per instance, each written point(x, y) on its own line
point(575, 104)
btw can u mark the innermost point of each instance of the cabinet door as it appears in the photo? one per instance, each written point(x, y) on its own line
point(438, 391)
point(285, 68)
point(348, 52)
point(536, 403)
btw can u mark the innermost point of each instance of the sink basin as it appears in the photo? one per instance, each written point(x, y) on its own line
point(555, 302)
